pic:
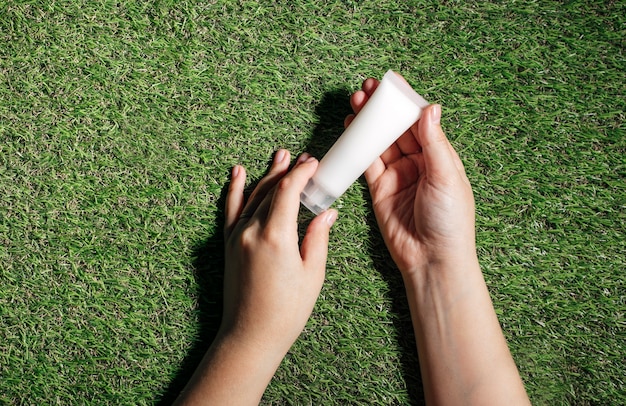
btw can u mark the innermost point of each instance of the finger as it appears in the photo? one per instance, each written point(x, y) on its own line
point(369, 86)
point(234, 199)
point(375, 170)
point(280, 166)
point(455, 157)
point(302, 158)
point(438, 161)
point(286, 200)
point(458, 163)
point(314, 248)
point(391, 154)
point(263, 208)
point(346, 121)
point(358, 100)
point(407, 143)
point(360, 97)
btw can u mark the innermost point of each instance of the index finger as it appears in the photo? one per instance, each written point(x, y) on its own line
point(286, 201)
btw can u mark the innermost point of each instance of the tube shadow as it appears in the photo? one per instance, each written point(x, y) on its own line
point(331, 113)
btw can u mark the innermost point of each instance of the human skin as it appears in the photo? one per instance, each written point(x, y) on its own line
point(271, 284)
point(424, 206)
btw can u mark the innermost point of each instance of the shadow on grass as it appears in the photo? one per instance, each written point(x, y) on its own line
point(331, 113)
point(400, 307)
point(209, 269)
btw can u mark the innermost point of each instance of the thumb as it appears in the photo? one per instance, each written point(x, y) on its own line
point(314, 249)
point(438, 159)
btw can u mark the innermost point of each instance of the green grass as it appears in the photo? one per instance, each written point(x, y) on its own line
point(119, 124)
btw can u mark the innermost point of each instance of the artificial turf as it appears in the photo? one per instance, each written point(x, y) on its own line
point(120, 121)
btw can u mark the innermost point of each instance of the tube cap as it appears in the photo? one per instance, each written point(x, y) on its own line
point(315, 198)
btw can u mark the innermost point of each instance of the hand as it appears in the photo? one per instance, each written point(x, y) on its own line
point(424, 206)
point(272, 283)
point(422, 198)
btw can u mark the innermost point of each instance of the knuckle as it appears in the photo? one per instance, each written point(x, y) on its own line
point(247, 239)
point(273, 236)
point(285, 183)
point(251, 238)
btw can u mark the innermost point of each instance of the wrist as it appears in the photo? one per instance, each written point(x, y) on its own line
point(444, 266)
point(235, 370)
point(255, 344)
point(458, 336)
point(444, 281)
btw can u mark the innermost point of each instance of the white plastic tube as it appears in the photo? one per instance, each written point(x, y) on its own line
point(389, 112)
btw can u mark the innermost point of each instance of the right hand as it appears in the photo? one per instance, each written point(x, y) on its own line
point(421, 196)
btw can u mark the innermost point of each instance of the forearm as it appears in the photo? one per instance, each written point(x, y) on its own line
point(234, 371)
point(463, 355)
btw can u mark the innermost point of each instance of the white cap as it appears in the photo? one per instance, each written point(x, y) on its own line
point(316, 198)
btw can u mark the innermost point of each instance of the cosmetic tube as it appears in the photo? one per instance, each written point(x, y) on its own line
point(392, 109)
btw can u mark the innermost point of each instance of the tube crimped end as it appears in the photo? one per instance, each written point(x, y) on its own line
point(316, 198)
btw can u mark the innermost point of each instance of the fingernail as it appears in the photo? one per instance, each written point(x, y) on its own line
point(235, 171)
point(435, 114)
point(303, 158)
point(280, 156)
point(310, 159)
point(331, 217)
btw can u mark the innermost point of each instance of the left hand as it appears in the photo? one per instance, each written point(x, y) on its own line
point(271, 281)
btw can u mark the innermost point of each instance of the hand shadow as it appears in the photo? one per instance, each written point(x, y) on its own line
point(399, 306)
point(208, 267)
point(208, 255)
